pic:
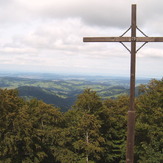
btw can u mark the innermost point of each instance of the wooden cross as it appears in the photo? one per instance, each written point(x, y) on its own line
point(133, 40)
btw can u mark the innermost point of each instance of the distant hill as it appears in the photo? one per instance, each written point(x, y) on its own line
point(28, 92)
point(63, 92)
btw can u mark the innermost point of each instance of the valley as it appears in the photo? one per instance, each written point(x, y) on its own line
point(62, 90)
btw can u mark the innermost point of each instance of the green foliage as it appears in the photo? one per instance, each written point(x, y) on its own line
point(149, 133)
point(88, 102)
point(93, 130)
point(84, 131)
point(27, 129)
point(113, 128)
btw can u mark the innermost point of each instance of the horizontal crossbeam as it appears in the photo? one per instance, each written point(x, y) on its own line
point(123, 39)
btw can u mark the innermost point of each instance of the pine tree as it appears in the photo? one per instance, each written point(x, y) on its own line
point(113, 128)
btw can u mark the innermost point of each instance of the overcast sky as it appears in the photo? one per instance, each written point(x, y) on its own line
point(47, 36)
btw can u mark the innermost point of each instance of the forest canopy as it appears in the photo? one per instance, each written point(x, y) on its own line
point(92, 130)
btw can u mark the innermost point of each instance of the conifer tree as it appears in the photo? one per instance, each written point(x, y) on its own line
point(113, 128)
point(149, 133)
point(89, 143)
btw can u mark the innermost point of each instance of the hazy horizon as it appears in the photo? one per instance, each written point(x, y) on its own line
point(37, 73)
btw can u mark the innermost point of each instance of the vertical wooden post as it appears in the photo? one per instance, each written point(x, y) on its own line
point(131, 112)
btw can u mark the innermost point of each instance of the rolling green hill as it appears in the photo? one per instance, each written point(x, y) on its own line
point(29, 92)
point(63, 92)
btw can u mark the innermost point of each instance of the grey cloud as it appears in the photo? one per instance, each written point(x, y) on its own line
point(115, 13)
point(94, 12)
point(91, 12)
